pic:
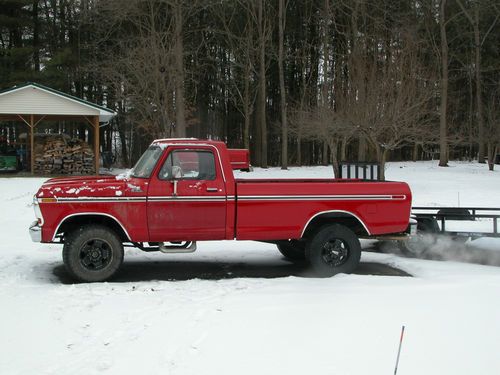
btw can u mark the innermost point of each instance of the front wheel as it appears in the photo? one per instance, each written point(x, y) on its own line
point(333, 249)
point(92, 253)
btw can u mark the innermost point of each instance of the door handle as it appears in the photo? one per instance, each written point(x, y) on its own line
point(212, 189)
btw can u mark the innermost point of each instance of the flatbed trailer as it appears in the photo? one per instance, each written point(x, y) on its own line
point(435, 221)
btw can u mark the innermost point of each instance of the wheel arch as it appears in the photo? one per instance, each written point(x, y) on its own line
point(347, 218)
point(83, 218)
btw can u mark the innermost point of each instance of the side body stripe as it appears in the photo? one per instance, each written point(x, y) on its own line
point(198, 198)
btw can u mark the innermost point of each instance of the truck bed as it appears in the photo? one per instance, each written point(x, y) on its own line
point(281, 209)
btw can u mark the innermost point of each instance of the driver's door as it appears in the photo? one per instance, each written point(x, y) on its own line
point(187, 197)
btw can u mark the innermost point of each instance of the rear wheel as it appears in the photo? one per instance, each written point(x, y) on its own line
point(292, 250)
point(92, 253)
point(333, 249)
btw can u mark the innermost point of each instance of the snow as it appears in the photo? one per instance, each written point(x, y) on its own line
point(241, 308)
point(122, 174)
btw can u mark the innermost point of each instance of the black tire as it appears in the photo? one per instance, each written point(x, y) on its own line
point(418, 245)
point(92, 253)
point(333, 249)
point(293, 250)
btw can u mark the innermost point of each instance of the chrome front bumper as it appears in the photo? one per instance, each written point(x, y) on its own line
point(35, 232)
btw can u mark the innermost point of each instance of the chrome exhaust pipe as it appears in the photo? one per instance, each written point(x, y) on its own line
point(186, 247)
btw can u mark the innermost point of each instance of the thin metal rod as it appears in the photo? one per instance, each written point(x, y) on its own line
point(399, 350)
point(32, 143)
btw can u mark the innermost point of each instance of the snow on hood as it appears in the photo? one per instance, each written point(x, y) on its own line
point(87, 186)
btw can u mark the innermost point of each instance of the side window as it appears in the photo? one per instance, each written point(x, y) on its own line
point(188, 165)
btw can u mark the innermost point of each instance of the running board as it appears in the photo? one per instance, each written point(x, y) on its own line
point(186, 247)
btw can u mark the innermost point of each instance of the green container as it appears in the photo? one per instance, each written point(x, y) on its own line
point(8, 163)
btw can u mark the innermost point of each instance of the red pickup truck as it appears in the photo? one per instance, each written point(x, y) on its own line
point(183, 190)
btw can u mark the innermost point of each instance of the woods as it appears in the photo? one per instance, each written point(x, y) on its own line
point(297, 82)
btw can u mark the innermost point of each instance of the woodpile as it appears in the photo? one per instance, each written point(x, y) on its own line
point(57, 154)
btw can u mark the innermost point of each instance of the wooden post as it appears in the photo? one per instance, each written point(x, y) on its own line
point(32, 143)
point(96, 144)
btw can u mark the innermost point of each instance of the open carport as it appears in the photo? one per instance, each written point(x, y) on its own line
point(33, 104)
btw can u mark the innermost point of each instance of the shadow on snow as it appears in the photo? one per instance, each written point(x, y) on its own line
point(135, 271)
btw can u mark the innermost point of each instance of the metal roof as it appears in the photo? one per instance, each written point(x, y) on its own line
point(43, 100)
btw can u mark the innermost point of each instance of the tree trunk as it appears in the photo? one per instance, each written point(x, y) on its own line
point(334, 145)
point(36, 38)
point(257, 136)
point(262, 85)
point(299, 150)
point(284, 125)
point(180, 111)
point(362, 149)
point(382, 158)
point(383, 161)
point(474, 21)
point(443, 141)
point(415, 152)
point(246, 129)
point(471, 117)
point(325, 84)
point(123, 144)
point(492, 153)
point(343, 149)
point(246, 105)
point(324, 153)
point(479, 102)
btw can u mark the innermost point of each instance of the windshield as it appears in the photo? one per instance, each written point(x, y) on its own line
point(147, 162)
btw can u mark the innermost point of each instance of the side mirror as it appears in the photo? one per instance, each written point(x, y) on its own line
point(176, 172)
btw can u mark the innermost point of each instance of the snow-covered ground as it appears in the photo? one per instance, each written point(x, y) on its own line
point(240, 308)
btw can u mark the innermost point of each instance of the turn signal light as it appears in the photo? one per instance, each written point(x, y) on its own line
point(48, 200)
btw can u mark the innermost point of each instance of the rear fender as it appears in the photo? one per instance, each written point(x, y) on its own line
point(349, 219)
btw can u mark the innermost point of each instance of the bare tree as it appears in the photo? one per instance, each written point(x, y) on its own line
point(238, 31)
point(395, 107)
point(322, 124)
point(473, 16)
point(261, 100)
point(443, 124)
point(325, 77)
point(145, 63)
point(493, 128)
point(247, 37)
point(180, 108)
point(284, 125)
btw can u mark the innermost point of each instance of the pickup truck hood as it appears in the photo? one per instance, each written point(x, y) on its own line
point(92, 186)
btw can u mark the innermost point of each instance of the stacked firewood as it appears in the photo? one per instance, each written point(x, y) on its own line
point(58, 155)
